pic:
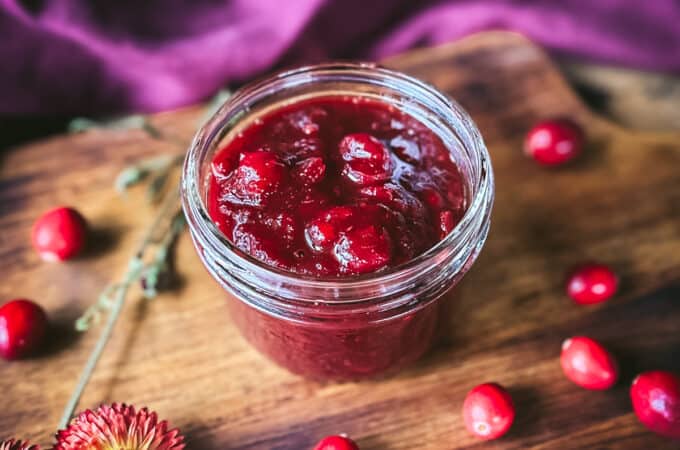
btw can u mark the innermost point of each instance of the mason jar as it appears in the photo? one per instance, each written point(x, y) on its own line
point(358, 326)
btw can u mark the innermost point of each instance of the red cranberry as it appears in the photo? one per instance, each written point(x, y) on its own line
point(300, 149)
point(367, 160)
point(554, 142)
point(587, 363)
point(257, 240)
point(336, 443)
point(310, 171)
point(432, 199)
point(59, 234)
point(307, 122)
point(306, 203)
point(406, 149)
point(656, 402)
point(363, 250)
point(283, 224)
point(363, 146)
point(395, 197)
point(488, 411)
point(592, 283)
point(447, 222)
point(258, 175)
point(226, 159)
point(23, 325)
point(322, 233)
point(382, 193)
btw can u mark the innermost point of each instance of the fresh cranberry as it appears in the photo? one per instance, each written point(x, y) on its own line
point(656, 402)
point(592, 283)
point(363, 250)
point(310, 171)
point(587, 363)
point(336, 443)
point(554, 142)
point(367, 160)
point(23, 325)
point(258, 176)
point(488, 411)
point(59, 234)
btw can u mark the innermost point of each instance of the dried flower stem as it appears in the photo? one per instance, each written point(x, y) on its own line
point(120, 291)
point(94, 357)
point(170, 220)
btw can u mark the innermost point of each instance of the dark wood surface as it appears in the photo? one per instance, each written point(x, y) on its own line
point(633, 98)
point(180, 355)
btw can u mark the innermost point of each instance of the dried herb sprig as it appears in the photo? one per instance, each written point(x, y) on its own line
point(136, 121)
point(169, 212)
point(161, 235)
point(113, 297)
point(159, 270)
point(168, 224)
point(157, 170)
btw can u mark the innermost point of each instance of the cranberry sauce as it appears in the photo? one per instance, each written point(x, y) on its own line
point(351, 348)
point(335, 186)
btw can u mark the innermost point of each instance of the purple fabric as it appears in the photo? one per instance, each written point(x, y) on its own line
point(101, 56)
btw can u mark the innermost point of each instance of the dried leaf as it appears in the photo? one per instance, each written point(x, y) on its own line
point(129, 177)
point(136, 121)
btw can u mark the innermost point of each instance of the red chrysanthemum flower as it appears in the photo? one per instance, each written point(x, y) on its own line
point(12, 444)
point(118, 427)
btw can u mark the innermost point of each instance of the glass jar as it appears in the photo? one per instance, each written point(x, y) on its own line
point(341, 328)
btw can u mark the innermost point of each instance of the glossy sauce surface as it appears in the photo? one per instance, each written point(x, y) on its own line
point(335, 186)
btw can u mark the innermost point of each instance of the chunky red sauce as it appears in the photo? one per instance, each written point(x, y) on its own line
point(335, 186)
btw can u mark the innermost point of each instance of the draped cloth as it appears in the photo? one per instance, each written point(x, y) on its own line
point(103, 56)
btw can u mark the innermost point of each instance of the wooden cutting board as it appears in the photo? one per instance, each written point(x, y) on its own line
point(180, 355)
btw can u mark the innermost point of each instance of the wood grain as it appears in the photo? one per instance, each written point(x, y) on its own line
point(633, 98)
point(180, 354)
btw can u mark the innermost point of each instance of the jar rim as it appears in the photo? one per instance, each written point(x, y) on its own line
point(207, 232)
